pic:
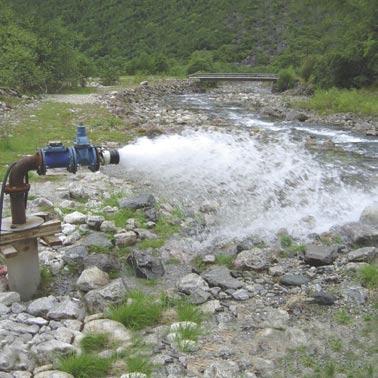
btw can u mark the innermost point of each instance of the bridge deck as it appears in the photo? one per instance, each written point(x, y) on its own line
point(234, 77)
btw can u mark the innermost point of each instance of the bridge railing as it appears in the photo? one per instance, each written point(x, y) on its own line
point(230, 76)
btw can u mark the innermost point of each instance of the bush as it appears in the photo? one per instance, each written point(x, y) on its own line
point(109, 75)
point(286, 80)
point(200, 61)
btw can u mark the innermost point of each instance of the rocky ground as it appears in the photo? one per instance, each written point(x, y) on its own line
point(251, 308)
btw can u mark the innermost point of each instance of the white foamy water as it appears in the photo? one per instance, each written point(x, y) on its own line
point(259, 185)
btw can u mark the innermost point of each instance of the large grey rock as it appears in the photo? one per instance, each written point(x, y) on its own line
point(366, 254)
point(47, 350)
point(97, 239)
point(95, 221)
point(41, 306)
point(319, 254)
point(192, 282)
point(253, 259)
point(67, 309)
point(75, 218)
point(355, 294)
point(360, 234)
point(17, 327)
point(138, 202)
point(99, 299)
point(75, 255)
point(92, 278)
point(221, 276)
point(370, 214)
point(146, 265)
point(9, 297)
point(116, 331)
point(293, 279)
point(108, 226)
point(125, 239)
point(104, 261)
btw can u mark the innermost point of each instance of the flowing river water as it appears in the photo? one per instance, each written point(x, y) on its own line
point(256, 176)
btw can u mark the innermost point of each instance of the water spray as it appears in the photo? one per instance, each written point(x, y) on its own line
point(19, 233)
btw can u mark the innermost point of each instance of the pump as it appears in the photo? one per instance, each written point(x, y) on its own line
point(18, 234)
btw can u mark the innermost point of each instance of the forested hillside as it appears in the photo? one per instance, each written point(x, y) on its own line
point(332, 43)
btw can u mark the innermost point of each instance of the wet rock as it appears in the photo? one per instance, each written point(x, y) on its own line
point(41, 306)
point(319, 255)
point(146, 265)
point(75, 255)
point(138, 202)
point(104, 261)
point(67, 309)
point(97, 239)
point(370, 214)
point(293, 279)
point(46, 351)
point(92, 278)
point(360, 234)
point(95, 221)
point(296, 116)
point(116, 331)
point(108, 226)
point(98, 300)
point(9, 297)
point(355, 294)
point(126, 239)
point(192, 282)
point(366, 254)
point(254, 259)
point(75, 218)
point(221, 369)
point(221, 276)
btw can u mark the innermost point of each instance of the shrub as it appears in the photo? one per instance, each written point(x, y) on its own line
point(286, 80)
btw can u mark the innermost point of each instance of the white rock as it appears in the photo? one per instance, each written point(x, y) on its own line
point(68, 229)
point(92, 278)
point(9, 297)
point(108, 226)
point(125, 239)
point(192, 282)
point(67, 309)
point(75, 218)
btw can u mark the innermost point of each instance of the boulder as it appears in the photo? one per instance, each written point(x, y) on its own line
point(192, 282)
point(104, 261)
point(9, 297)
point(108, 226)
point(370, 215)
point(67, 309)
point(221, 276)
point(47, 350)
point(319, 255)
point(41, 306)
point(92, 278)
point(366, 254)
point(360, 234)
point(293, 115)
point(95, 221)
point(253, 259)
point(53, 374)
point(126, 239)
point(75, 218)
point(293, 279)
point(97, 239)
point(138, 202)
point(146, 265)
point(75, 255)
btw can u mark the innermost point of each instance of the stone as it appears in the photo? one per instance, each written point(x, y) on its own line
point(108, 226)
point(221, 369)
point(21, 374)
point(370, 214)
point(221, 276)
point(145, 234)
point(17, 308)
point(126, 239)
point(53, 374)
point(198, 296)
point(45, 351)
point(263, 366)
point(75, 255)
point(43, 202)
point(276, 271)
point(253, 259)
point(92, 278)
point(68, 229)
point(67, 309)
point(4, 309)
point(293, 279)
point(151, 214)
point(75, 218)
point(240, 295)
point(355, 294)
point(138, 202)
point(319, 255)
point(9, 297)
point(104, 261)
point(97, 239)
point(212, 306)
point(294, 115)
point(17, 327)
point(41, 306)
point(275, 318)
point(98, 300)
point(366, 254)
point(95, 221)
point(146, 265)
point(360, 234)
point(323, 298)
point(192, 282)
point(116, 331)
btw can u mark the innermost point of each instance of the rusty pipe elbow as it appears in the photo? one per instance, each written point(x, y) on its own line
point(18, 187)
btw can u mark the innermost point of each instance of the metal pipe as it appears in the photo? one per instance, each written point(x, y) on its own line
point(18, 187)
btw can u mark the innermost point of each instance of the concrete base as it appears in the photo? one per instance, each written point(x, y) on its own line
point(23, 268)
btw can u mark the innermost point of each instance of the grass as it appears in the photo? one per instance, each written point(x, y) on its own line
point(286, 241)
point(139, 364)
point(95, 342)
point(335, 344)
point(342, 317)
point(290, 247)
point(368, 276)
point(122, 216)
point(138, 311)
point(226, 260)
point(56, 121)
point(85, 366)
point(361, 101)
point(189, 312)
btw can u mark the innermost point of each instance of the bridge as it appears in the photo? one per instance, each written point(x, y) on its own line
point(234, 76)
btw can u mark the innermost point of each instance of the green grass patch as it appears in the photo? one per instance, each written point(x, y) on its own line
point(368, 276)
point(335, 344)
point(286, 241)
point(139, 364)
point(189, 312)
point(342, 317)
point(189, 333)
point(95, 342)
point(85, 366)
point(359, 101)
point(226, 260)
point(123, 215)
point(138, 311)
